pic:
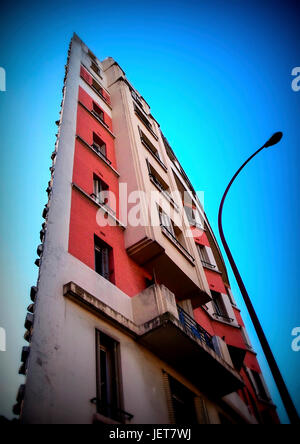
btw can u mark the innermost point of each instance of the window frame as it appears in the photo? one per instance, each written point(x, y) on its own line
point(105, 341)
point(106, 251)
point(97, 146)
point(96, 113)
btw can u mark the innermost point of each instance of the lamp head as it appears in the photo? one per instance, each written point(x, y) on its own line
point(274, 139)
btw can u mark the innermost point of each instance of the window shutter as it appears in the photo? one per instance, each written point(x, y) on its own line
point(106, 96)
point(85, 75)
point(168, 393)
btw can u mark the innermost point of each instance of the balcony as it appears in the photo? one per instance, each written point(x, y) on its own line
point(192, 327)
point(174, 266)
point(176, 271)
point(166, 330)
point(177, 243)
point(151, 149)
point(188, 348)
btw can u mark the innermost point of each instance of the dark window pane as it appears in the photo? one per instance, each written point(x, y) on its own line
point(183, 403)
point(102, 254)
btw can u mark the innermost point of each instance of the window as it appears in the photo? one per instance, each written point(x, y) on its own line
point(99, 190)
point(92, 56)
point(173, 233)
point(97, 87)
point(98, 111)
point(203, 253)
point(95, 68)
point(189, 211)
point(108, 377)
point(99, 145)
point(183, 401)
point(136, 98)
point(103, 258)
point(160, 184)
point(261, 391)
point(192, 215)
point(218, 304)
point(166, 222)
point(142, 117)
point(150, 147)
point(246, 338)
point(204, 256)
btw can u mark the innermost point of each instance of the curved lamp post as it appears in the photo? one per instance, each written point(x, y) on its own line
point(285, 396)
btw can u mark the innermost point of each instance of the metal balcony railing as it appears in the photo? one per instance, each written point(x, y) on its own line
point(191, 326)
point(155, 154)
point(161, 188)
point(176, 242)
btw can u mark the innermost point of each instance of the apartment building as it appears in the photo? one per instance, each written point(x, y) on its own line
point(132, 318)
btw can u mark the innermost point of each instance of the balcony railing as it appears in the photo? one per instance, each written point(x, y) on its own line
point(194, 328)
point(158, 184)
point(154, 154)
point(176, 242)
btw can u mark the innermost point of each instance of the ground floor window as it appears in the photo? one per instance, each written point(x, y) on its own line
point(183, 401)
point(108, 377)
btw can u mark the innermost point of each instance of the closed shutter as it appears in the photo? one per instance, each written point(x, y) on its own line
point(168, 393)
point(106, 96)
point(85, 75)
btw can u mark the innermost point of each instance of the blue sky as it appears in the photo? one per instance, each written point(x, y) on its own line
point(218, 78)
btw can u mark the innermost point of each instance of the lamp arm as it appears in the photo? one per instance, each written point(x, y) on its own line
point(285, 396)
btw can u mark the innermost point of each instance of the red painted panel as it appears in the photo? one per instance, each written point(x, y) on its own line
point(128, 276)
point(203, 319)
point(215, 281)
point(86, 125)
point(251, 362)
point(238, 317)
point(200, 237)
point(232, 335)
point(106, 96)
point(89, 79)
point(87, 100)
point(85, 215)
point(85, 75)
point(86, 164)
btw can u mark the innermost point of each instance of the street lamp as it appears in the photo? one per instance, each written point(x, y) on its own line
point(285, 396)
